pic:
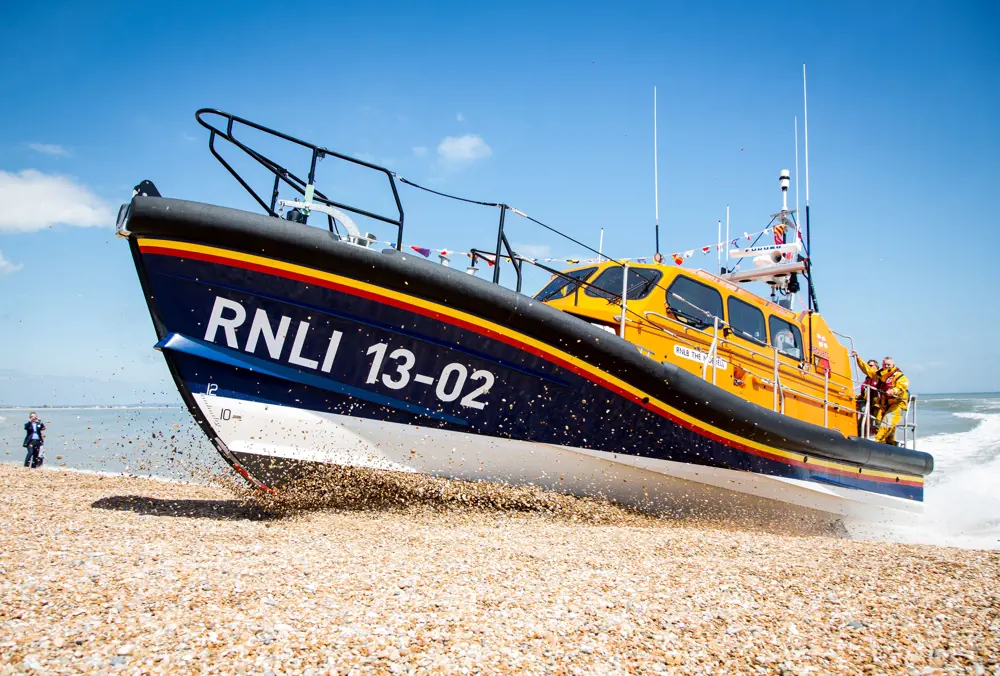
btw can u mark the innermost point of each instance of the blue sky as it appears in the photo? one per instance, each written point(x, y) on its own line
point(548, 109)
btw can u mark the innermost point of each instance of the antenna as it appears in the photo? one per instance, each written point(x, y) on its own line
point(783, 182)
point(600, 247)
point(656, 174)
point(718, 248)
point(796, 169)
point(813, 305)
point(727, 238)
point(805, 111)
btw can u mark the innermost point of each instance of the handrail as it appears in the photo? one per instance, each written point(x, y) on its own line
point(849, 377)
point(826, 397)
point(621, 330)
point(777, 384)
point(907, 424)
point(855, 376)
point(713, 350)
point(779, 390)
point(866, 426)
point(751, 350)
point(306, 188)
point(490, 257)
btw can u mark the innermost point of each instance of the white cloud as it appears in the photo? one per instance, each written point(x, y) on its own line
point(460, 117)
point(463, 149)
point(6, 267)
point(532, 250)
point(31, 200)
point(419, 151)
point(49, 149)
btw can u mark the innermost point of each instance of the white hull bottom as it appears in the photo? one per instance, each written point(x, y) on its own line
point(658, 486)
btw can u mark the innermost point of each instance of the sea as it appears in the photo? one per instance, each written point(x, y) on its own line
point(962, 431)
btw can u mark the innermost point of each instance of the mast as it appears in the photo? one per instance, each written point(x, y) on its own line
point(656, 174)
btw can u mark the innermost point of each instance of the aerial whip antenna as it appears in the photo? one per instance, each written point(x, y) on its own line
point(796, 171)
point(727, 238)
point(718, 245)
point(813, 305)
point(805, 109)
point(656, 174)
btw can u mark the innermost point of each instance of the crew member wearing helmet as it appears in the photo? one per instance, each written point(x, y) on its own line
point(893, 400)
point(869, 395)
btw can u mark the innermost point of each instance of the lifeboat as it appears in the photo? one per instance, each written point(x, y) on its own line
point(296, 346)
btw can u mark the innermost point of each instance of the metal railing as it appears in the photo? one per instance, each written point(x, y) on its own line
point(305, 187)
point(855, 375)
point(773, 357)
point(224, 126)
point(492, 258)
point(713, 350)
point(907, 424)
point(621, 329)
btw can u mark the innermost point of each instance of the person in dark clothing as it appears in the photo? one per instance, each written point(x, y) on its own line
point(33, 439)
point(869, 397)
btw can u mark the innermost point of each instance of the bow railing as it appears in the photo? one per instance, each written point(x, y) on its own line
point(224, 126)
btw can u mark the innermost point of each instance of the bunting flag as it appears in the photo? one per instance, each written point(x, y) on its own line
point(678, 257)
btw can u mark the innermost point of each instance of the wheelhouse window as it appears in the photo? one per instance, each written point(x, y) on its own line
point(641, 282)
point(694, 303)
point(564, 285)
point(746, 321)
point(786, 337)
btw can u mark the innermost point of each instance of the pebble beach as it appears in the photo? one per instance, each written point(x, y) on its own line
point(104, 574)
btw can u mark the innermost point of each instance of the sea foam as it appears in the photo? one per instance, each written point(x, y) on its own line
point(962, 502)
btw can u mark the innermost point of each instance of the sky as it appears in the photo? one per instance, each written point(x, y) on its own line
point(543, 106)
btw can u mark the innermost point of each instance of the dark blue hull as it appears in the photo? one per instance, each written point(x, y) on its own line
point(383, 337)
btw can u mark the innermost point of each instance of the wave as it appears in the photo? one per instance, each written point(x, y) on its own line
point(990, 405)
point(954, 451)
point(962, 504)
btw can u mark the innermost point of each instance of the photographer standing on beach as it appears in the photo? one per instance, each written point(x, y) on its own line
point(33, 441)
